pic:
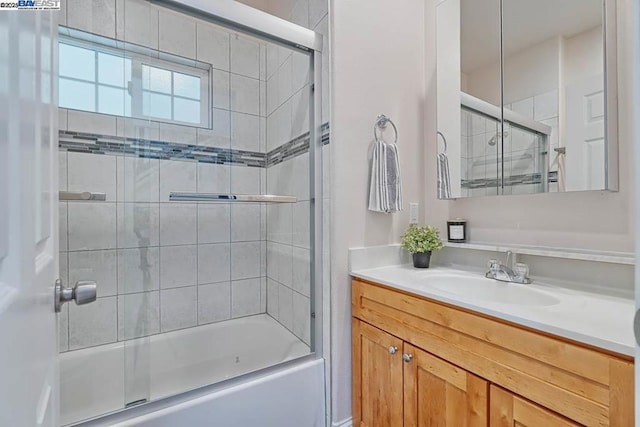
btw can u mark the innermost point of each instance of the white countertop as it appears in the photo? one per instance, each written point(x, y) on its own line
point(598, 320)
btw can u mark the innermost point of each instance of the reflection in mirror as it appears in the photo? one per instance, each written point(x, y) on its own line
point(527, 114)
point(465, 46)
point(554, 74)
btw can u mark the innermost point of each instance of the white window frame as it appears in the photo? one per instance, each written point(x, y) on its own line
point(135, 85)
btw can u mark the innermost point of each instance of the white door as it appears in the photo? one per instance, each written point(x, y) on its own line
point(584, 136)
point(28, 219)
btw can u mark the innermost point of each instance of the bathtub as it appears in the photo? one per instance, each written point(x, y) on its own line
point(106, 378)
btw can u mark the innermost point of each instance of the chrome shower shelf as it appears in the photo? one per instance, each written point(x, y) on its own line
point(250, 198)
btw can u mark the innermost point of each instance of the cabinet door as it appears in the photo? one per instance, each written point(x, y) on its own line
point(510, 410)
point(377, 377)
point(437, 393)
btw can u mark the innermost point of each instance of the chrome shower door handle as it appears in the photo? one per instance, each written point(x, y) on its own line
point(84, 292)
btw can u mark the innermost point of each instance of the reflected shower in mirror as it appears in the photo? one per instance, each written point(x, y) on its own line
point(527, 112)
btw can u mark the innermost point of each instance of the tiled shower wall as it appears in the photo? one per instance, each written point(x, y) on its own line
point(163, 266)
point(288, 245)
point(478, 158)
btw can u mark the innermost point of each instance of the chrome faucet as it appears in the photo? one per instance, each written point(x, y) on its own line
point(504, 272)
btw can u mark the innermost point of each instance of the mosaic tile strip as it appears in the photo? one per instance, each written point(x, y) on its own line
point(295, 147)
point(524, 179)
point(89, 143)
point(102, 144)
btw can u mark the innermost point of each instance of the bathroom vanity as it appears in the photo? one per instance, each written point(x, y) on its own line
point(451, 348)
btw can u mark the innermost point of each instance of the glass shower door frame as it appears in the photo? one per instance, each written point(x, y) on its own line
point(259, 24)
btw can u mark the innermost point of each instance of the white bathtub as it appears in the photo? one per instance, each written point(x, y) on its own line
point(98, 380)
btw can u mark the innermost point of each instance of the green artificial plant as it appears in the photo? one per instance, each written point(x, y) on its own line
point(421, 239)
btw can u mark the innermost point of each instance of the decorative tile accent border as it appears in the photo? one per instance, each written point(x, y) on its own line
point(116, 145)
point(295, 147)
point(533, 178)
point(80, 142)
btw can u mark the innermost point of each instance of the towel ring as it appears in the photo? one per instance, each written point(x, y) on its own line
point(443, 140)
point(381, 123)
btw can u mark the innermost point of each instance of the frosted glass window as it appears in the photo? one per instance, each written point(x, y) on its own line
point(186, 86)
point(77, 63)
point(156, 105)
point(156, 79)
point(171, 95)
point(186, 110)
point(113, 70)
point(111, 81)
point(111, 101)
point(77, 95)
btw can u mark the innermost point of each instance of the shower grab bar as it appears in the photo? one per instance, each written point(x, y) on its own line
point(82, 195)
point(209, 197)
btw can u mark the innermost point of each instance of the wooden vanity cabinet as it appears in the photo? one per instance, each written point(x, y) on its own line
point(397, 384)
point(418, 362)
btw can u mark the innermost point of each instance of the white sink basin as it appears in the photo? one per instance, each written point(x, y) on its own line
point(474, 288)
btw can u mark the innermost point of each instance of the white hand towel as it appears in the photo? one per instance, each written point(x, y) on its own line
point(444, 179)
point(385, 192)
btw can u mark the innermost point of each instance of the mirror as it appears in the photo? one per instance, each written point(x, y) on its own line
point(524, 104)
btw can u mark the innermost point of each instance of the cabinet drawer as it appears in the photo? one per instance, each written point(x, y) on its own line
point(583, 384)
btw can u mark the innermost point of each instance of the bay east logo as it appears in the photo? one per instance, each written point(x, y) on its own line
point(30, 5)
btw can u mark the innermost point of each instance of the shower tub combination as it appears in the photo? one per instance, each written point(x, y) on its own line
point(92, 380)
point(205, 241)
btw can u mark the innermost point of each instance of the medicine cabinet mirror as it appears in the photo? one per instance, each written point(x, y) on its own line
point(526, 97)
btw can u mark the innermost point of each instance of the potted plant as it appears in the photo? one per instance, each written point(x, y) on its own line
point(420, 242)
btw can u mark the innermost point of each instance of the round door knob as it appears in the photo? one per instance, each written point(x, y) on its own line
point(393, 349)
point(85, 291)
point(407, 357)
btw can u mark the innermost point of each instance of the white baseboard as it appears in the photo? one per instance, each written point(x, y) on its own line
point(344, 423)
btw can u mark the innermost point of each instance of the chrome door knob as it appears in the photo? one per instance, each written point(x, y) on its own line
point(407, 357)
point(393, 349)
point(84, 292)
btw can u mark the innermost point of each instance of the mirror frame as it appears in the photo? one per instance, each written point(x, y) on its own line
point(610, 38)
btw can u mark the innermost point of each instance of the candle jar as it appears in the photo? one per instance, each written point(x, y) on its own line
point(457, 230)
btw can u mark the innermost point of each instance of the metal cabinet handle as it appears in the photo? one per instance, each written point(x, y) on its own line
point(407, 357)
point(393, 349)
point(84, 292)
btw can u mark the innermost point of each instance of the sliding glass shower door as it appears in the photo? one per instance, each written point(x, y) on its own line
point(203, 249)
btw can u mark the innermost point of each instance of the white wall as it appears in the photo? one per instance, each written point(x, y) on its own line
point(378, 66)
point(592, 220)
point(582, 56)
point(527, 73)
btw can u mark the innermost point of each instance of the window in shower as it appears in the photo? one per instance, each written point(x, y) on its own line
point(170, 95)
point(110, 81)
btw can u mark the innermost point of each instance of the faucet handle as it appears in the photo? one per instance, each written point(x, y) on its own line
point(521, 271)
point(492, 263)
